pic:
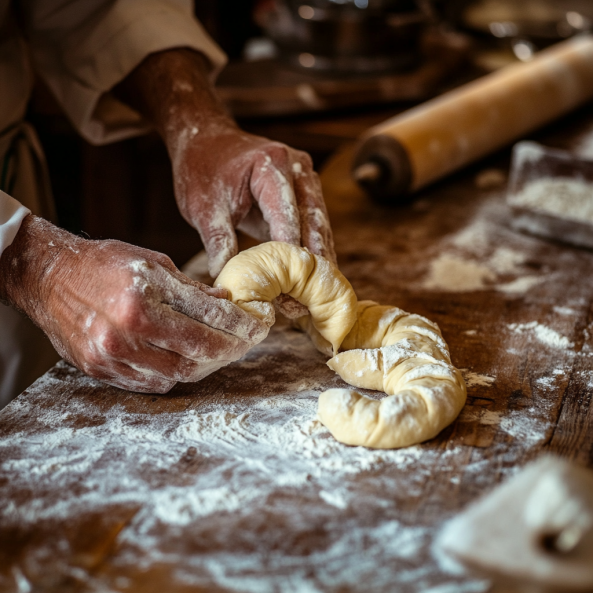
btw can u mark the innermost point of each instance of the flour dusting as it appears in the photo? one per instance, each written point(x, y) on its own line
point(476, 380)
point(543, 333)
point(452, 273)
point(564, 197)
point(248, 494)
point(521, 425)
point(473, 260)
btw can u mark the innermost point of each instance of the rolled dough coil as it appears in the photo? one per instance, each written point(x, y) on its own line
point(383, 348)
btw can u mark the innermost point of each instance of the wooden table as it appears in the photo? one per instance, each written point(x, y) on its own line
point(232, 483)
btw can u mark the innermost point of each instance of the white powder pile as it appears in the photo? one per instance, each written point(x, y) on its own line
point(564, 311)
point(564, 197)
point(543, 333)
point(452, 273)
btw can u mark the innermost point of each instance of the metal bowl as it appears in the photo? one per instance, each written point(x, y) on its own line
point(351, 36)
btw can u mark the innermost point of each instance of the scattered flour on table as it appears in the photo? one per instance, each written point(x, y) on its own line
point(455, 273)
point(520, 285)
point(546, 382)
point(521, 425)
point(476, 380)
point(550, 382)
point(564, 311)
point(473, 260)
point(564, 197)
point(232, 474)
point(452, 273)
point(543, 333)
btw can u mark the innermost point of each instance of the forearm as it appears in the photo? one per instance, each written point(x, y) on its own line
point(172, 91)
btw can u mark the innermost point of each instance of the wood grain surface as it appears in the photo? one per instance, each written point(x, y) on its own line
point(231, 484)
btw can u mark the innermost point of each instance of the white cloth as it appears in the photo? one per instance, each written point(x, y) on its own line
point(11, 216)
point(82, 49)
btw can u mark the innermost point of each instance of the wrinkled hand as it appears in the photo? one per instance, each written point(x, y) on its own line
point(227, 179)
point(123, 314)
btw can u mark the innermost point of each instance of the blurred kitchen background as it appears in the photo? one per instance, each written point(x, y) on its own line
point(311, 73)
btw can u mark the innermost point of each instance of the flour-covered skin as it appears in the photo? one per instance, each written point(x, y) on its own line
point(122, 314)
point(225, 178)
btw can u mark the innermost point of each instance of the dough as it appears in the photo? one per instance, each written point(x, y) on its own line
point(255, 277)
point(382, 348)
point(402, 355)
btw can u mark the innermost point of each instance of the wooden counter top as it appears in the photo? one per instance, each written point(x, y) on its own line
point(232, 483)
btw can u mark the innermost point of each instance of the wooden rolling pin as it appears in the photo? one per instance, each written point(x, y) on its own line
point(423, 144)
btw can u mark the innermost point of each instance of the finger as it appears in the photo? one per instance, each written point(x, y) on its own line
point(121, 375)
point(111, 345)
point(316, 233)
point(175, 332)
point(217, 293)
point(146, 364)
point(216, 313)
point(216, 229)
point(271, 186)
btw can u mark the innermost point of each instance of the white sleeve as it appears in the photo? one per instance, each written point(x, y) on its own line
point(83, 49)
point(11, 217)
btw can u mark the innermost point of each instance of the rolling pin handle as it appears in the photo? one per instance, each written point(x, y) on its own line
point(382, 168)
point(367, 172)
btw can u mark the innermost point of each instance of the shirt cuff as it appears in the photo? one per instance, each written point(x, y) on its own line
point(82, 81)
point(12, 214)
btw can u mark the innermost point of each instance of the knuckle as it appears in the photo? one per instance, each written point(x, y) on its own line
point(110, 343)
point(130, 315)
point(305, 159)
point(279, 153)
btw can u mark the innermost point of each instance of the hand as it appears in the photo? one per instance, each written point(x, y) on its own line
point(123, 314)
point(225, 178)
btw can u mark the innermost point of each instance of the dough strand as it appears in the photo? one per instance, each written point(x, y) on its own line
point(371, 346)
point(255, 277)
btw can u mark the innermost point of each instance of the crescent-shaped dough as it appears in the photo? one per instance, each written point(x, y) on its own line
point(382, 348)
point(404, 356)
point(255, 277)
